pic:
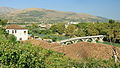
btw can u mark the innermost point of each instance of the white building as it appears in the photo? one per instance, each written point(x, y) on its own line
point(69, 23)
point(18, 31)
point(72, 23)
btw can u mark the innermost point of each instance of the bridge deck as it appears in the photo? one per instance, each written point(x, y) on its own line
point(81, 38)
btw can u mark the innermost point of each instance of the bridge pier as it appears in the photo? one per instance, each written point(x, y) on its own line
point(85, 40)
point(73, 42)
point(94, 40)
point(62, 43)
point(67, 43)
point(101, 39)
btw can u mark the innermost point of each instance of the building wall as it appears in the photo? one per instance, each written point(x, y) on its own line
point(21, 34)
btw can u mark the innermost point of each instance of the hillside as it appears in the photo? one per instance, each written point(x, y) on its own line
point(39, 15)
point(81, 50)
point(6, 10)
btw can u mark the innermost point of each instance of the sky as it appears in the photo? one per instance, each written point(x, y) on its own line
point(105, 8)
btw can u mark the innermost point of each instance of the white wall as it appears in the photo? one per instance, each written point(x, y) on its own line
point(19, 33)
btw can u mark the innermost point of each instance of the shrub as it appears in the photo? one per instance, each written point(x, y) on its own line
point(11, 38)
point(29, 56)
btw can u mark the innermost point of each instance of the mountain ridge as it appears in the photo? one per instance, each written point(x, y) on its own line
point(7, 9)
point(40, 15)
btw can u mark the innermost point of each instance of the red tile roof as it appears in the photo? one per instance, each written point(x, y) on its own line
point(14, 26)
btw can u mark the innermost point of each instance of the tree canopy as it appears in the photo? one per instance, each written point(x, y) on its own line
point(3, 22)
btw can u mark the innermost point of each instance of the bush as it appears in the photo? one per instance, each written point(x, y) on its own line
point(11, 38)
point(29, 56)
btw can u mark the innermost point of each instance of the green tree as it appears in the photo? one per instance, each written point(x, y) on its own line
point(80, 33)
point(70, 30)
point(34, 25)
point(11, 38)
point(58, 28)
point(3, 22)
point(102, 28)
point(61, 28)
point(92, 30)
point(111, 21)
point(54, 28)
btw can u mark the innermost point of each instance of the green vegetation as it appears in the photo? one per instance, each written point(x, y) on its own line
point(111, 30)
point(59, 28)
point(46, 33)
point(18, 55)
point(108, 43)
point(3, 22)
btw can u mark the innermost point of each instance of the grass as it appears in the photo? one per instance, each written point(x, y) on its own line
point(108, 43)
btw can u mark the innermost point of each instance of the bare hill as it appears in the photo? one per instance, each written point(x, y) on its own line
point(81, 50)
point(84, 50)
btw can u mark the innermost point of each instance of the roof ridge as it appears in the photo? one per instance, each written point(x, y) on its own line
point(14, 26)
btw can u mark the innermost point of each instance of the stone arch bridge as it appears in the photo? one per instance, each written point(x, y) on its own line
point(92, 39)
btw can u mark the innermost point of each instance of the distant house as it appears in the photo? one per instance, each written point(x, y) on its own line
point(18, 31)
point(72, 23)
point(45, 26)
point(69, 23)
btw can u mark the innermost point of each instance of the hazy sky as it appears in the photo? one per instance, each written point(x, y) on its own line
point(104, 8)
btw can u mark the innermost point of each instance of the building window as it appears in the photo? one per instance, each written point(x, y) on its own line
point(20, 38)
point(25, 32)
point(12, 31)
point(15, 31)
point(8, 31)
